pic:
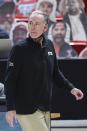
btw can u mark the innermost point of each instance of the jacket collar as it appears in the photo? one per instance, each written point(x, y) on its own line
point(36, 42)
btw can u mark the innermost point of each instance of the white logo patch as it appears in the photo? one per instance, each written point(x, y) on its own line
point(50, 53)
point(11, 64)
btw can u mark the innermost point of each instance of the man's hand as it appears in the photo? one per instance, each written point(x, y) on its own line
point(77, 93)
point(10, 117)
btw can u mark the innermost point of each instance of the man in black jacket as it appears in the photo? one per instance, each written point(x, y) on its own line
point(31, 74)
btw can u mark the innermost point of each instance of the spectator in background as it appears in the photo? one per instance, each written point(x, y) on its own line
point(7, 14)
point(75, 17)
point(62, 48)
point(25, 7)
point(18, 32)
point(48, 7)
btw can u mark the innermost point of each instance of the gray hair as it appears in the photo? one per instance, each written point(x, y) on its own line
point(38, 12)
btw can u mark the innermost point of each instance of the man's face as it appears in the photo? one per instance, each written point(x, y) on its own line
point(58, 33)
point(19, 35)
point(73, 6)
point(7, 12)
point(46, 7)
point(37, 25)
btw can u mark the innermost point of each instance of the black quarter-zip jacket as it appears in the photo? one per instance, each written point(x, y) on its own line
point(31, 74)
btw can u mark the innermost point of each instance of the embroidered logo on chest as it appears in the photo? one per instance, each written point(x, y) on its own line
point(50, 53)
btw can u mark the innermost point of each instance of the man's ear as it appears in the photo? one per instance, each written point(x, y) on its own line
point(45, 27)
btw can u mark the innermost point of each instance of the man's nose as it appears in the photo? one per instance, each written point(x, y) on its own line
point(58, 32)
point(33, 27)
point(45, 8)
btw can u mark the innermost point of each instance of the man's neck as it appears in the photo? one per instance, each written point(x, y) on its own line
point(57, 49)
point(57, 45)
point(39, 40)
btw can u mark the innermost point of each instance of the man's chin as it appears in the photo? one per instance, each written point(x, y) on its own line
point(58, 39)
point(73, 11)
point(34, 36)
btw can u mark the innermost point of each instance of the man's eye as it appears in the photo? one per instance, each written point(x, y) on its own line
point(37, 23)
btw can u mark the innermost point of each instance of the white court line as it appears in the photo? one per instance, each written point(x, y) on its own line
point(68, 123)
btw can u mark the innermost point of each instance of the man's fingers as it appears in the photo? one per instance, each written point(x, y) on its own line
point(10, 118)
point(77, 93)
point(11, 124)
point(9, 121)
point(16, 119)
point(79, 96)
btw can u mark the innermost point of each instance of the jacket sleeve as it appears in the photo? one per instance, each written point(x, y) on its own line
point(11, 78)
point(59, 79)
